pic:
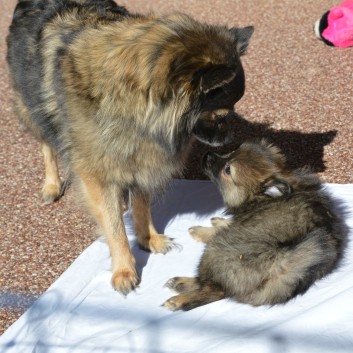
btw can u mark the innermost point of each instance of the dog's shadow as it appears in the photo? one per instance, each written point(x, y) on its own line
point(300, 149)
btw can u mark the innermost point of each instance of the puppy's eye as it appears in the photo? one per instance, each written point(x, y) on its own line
point(227, 169)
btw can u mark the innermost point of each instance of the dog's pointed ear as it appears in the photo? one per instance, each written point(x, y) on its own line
point(215, 76)
point(242, 37)
point(276, 188)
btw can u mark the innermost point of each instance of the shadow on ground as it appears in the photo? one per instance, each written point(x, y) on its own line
point(301, 149)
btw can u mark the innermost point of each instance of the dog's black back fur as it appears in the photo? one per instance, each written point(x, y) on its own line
point(26, 36)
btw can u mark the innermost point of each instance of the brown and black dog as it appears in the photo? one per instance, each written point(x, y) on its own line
point(119, 98)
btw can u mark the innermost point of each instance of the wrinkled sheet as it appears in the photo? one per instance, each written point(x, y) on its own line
point(81, 313)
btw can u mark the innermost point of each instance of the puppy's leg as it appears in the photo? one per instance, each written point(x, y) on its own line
point(147, 236)
point(202, 234)
point(106, 205)
point(190, 300)
point(220, 222)
point(205, 234)
point(52, 182)
point(183, 284)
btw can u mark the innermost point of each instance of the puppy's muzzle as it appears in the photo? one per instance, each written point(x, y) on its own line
point(212, 163)
point(208, 160)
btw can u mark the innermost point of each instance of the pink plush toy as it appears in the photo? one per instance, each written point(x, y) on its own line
point(335, 27)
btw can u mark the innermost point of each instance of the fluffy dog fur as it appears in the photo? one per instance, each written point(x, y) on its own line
point(285, 232)
point(119, 97)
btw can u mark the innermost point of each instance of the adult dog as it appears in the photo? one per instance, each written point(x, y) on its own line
point(119, 97)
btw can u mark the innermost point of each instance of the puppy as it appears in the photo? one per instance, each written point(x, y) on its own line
point(120, 97)
point(284, 233)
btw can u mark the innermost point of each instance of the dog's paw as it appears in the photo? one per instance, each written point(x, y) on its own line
point(50, 193)
point(158, 243)
point(125, 280)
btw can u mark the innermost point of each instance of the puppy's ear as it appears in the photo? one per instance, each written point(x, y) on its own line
point(215, 76)
point(276, 153)
point(242, 37)
point(276, 188)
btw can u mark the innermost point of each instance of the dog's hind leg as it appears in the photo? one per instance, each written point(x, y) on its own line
point(147, 236)
point(52, 184)
point(51, 190)
point(206, 294)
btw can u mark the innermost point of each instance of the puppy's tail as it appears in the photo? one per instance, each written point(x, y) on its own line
point(298, 265)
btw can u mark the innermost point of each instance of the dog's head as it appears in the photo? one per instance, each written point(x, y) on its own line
point(218, 87)
point(199, 77)
point(253, 170)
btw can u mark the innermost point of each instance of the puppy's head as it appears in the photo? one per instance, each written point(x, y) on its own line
point(253, 170)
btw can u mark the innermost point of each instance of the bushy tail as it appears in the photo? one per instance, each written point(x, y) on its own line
point(298, 266)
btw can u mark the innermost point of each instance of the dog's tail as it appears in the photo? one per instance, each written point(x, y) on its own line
point(298, 265)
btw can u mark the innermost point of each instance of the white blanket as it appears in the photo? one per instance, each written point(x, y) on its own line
point(81, 313)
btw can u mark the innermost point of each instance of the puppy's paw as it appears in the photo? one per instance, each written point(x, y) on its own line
point(172, 283)
point(158, 243)
point(218, 221)
point(196, 232)
point(202, 234)
point(173, 303)
point(51, 193)
point(182, 284)
point(125, 280)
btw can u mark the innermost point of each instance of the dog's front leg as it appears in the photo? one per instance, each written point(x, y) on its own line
point(106, 205)
point(147, 236)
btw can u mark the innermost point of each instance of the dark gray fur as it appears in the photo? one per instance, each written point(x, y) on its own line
point(285, 232)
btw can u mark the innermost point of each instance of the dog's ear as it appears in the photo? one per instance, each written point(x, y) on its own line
point(242, 37)
point(214, 76)
point(276, 188)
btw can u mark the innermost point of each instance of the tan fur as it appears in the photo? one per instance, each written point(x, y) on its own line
point(148, 237)
point(52, 182)
point(120, 98)
point(206, 234)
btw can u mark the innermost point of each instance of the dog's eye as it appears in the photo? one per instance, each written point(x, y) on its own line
point(227, 169)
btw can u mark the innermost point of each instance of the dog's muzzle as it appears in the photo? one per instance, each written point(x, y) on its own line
point(216, 128)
